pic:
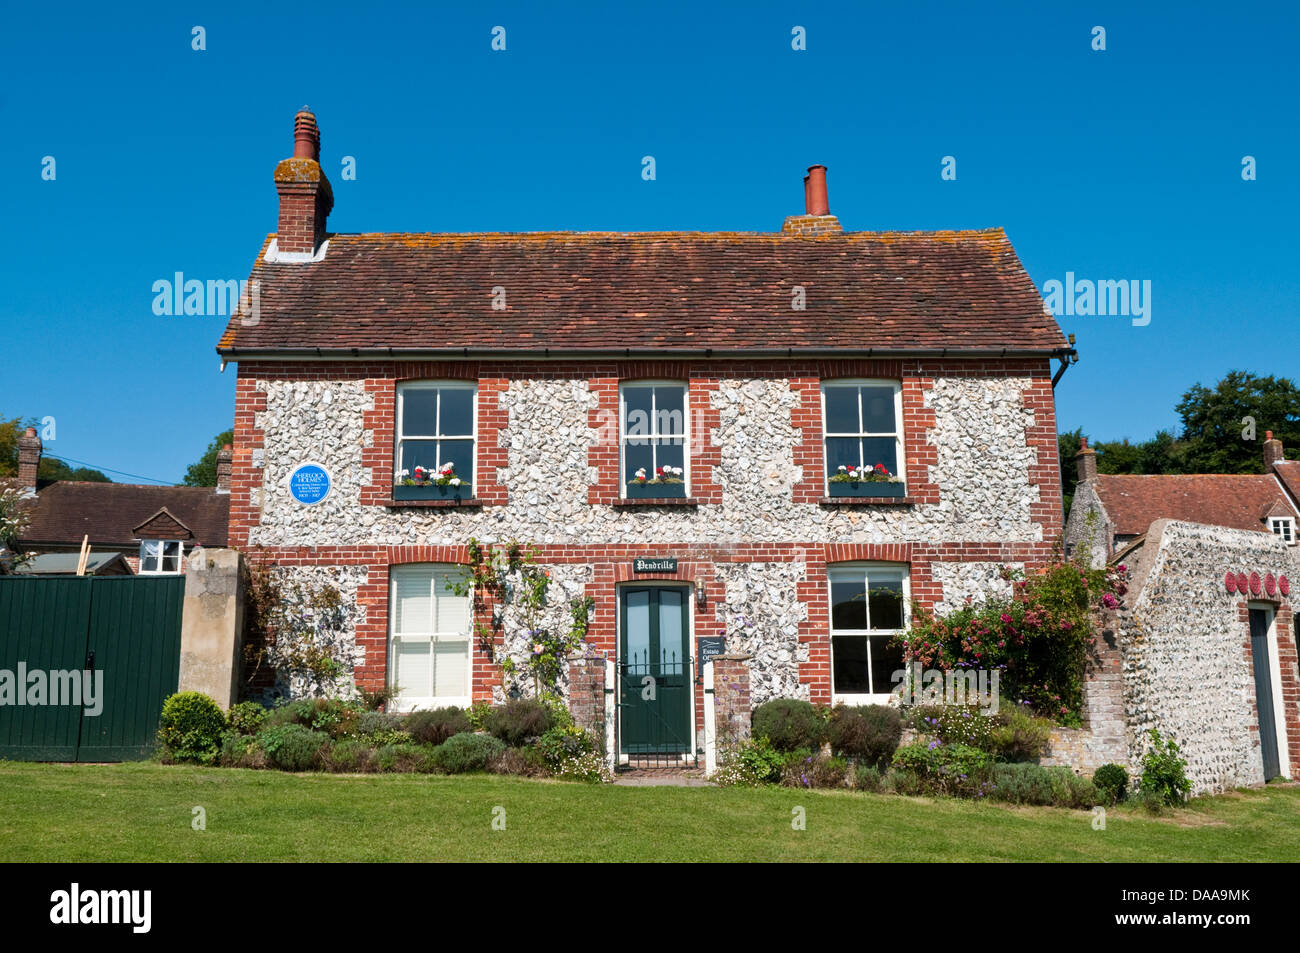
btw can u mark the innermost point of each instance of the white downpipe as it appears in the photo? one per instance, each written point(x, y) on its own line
point(611, 692)
point(710, 728)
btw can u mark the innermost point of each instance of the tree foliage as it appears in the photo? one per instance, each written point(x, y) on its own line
point(1222, 431)
point(50, 469)
point(204, 471)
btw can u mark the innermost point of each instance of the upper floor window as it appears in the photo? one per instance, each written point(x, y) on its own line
point(161, 556)
point(653, 439)
point(1283, 526)
point(864, 439)
point(430, 637)
point(435, 433)
point(868, 609)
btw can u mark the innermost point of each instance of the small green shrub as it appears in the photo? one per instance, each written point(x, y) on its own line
point(241, 751)
point(349, 756)
point(436, 726)
point(754, 762)
point(563, 744)
point(1017, 734)
point(477, 714)
point(938, 768)
point(790, 724)
point(330, 715)
point(955, 724)
point(247, 718)
point(376, 722)
point(1025, 783)
point(1112, 783)
point(190, 727)
point(868, 733)
point(1164, 772)
point(461, 753)
point(518, 720)
point(292, 747)
point(407, 758)
point(375, 699)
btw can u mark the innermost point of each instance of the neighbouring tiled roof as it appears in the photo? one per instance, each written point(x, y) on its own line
point(651, 291)
point(66, 511)
point(1288, 471)
point(1235, 500)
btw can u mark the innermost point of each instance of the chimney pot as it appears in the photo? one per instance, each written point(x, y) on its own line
point(306, 197)
point(306, 136)
point(814, 192)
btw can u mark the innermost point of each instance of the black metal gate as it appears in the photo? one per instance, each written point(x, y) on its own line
point(85, 664)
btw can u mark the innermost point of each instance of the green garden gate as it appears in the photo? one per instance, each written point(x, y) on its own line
point(126, 627)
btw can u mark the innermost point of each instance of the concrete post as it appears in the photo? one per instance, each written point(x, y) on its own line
point(212, 625)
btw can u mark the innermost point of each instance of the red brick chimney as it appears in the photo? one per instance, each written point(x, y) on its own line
point(225, 456)
point(1086, 462)
point(1272, 450)
point(305, 194)
point(817, 218)
point(29, 458)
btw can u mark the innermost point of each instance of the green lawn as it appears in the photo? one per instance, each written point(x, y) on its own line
point(142, 812)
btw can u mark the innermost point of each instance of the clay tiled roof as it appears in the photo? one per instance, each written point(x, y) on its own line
point(110, 513)
point(1288, 471)
point(679, 291)
point(1236, 500)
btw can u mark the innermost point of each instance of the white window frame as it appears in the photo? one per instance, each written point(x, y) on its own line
point(654, 433)
point(855, 570)
point(1284, 527)
point(414, 702)
point(399, 435)
point(897, 433)
point(161, 545)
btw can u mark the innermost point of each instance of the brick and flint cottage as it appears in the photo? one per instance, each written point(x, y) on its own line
point(738, 372)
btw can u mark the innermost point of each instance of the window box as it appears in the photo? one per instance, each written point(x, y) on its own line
point(867, 489)
point(432, 492)
point(656, 491)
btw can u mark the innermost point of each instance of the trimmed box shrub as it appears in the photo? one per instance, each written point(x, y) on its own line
point(868, 733)
point(1112, 783)
point(190, 727)
point(790, 724)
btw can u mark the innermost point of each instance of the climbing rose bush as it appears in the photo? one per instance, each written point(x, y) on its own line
point(1039, 638)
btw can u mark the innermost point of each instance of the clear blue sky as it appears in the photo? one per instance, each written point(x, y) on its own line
point(1117, 164)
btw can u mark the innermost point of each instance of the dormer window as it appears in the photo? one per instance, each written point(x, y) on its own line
point(1283, 526)
point(161, 556)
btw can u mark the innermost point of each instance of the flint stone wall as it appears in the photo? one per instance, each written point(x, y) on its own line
point(1185, 650)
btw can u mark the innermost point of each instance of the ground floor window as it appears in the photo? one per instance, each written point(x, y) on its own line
point(429, 653)
point(161, 556)
point(868, 609)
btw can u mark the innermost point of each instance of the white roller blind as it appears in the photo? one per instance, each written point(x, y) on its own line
point(451, 668)
point(452, 610)
point(413, 610)
point(413, 668)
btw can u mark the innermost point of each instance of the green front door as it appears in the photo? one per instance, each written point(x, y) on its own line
point(654, 671)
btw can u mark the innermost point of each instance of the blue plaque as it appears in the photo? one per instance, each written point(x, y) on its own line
point(309, 484)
